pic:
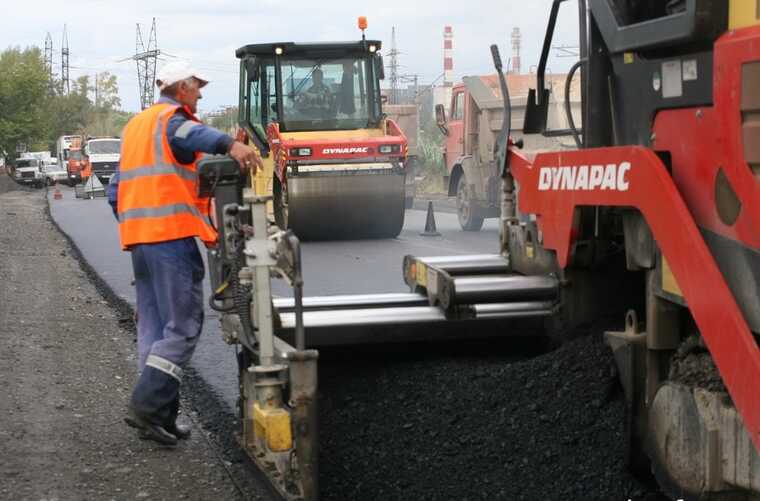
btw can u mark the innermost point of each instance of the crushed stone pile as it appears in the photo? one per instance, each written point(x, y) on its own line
point(503, 424)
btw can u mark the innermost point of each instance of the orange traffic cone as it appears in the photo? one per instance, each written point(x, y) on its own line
point(57, 195)
point(430, 229)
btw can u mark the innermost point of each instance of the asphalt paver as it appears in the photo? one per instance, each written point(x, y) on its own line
point(498, 420)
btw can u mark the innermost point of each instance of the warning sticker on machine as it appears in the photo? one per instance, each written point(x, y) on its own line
point(690, 70)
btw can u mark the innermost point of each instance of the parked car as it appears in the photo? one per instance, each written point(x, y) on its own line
point(54, 172)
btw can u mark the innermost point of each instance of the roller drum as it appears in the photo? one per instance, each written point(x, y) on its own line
point(346, 205)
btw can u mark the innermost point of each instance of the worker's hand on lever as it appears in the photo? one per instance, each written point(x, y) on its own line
point(246, 156)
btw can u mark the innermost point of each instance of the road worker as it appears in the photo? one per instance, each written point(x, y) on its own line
point(154, 196)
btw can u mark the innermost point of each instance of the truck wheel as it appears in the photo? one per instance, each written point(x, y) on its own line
point(468, 210)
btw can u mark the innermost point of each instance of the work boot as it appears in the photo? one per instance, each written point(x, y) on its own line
point(148, 429)
point(181, 431)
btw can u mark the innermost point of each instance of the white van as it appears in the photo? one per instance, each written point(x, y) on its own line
point(29, 171)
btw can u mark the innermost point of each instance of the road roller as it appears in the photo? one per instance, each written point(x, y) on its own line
point(654, 218)
point(335, 165)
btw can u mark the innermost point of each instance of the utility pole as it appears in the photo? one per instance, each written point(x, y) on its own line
point(49, 57)
point(146, 57)
point(65, 63)
point(394, 68)
point(398, 79)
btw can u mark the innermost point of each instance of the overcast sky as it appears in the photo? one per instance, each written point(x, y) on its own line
point(207, 32)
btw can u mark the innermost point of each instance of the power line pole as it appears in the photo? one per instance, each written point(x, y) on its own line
point(394, 67)
point(146, 58)
point(65, 63)
point(49, 56)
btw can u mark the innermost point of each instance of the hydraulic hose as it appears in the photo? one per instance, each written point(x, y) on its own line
point(241, 298)
point(568, 110)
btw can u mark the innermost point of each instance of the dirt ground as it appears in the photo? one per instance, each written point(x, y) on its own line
point(67, 360)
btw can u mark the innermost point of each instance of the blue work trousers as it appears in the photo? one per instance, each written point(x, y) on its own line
point(169, 282)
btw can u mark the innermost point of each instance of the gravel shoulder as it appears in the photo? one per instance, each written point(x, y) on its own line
point(67, 358)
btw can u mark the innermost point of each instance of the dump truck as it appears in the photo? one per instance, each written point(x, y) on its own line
point(471, 129)
point(102, 157)
point(63, 148)
point(75, 160)
point(75, 165)
point(333, 163)
point(655, 210)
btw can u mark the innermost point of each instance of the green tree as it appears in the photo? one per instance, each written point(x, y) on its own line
point(24, 88)
point(35, 112)
point(105, 118)
point(69, 114)
point(81, 86)
point(107, 92)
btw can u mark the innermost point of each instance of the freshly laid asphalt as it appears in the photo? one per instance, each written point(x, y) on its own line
point(348, 267)
point(459, 420)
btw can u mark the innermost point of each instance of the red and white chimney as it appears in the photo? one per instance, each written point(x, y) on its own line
point(448, 60)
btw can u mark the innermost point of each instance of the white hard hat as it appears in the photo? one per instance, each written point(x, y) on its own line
point(176, 71)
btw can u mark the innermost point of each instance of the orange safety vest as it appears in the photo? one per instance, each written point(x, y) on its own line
point(158, 197)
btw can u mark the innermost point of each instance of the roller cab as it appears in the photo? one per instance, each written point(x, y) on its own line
point(335, 166)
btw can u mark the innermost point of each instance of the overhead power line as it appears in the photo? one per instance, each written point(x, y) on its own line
point(146, 57)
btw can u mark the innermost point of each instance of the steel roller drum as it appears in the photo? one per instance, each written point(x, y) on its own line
point(346, 203)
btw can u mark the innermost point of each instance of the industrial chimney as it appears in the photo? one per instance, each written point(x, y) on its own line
point(448, 60)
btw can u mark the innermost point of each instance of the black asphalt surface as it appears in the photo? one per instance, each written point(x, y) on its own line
point(498, 419)
point(350, 267)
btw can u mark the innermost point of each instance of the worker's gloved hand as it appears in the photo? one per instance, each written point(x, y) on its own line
point(246, 156)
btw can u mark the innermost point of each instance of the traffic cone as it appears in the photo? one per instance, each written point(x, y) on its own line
point(430, 229)
point(57, 195)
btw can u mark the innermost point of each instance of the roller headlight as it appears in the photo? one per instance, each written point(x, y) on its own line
point(300, 152)
point(387, 149)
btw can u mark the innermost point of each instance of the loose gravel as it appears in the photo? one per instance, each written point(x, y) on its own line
point(500, 424)
point(67, 360)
